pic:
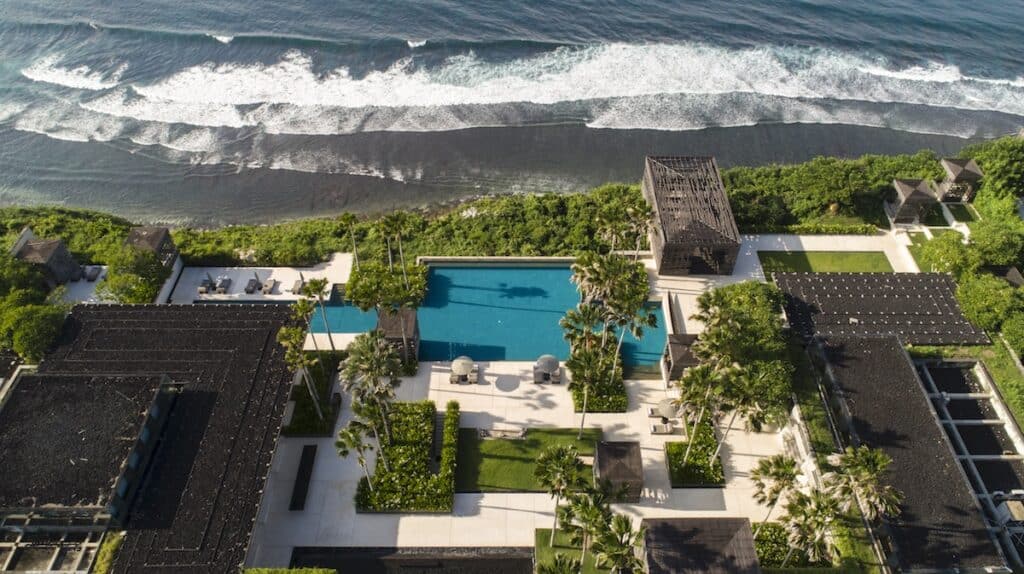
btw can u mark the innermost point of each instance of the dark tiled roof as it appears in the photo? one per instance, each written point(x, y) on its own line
point(913, 189)
point(690, 201)
point(700, 545)
point(680, 347)
point(620, 462)
point(40, 251)
point(147, 238)
point(196, 510)
point(940, 526)
point(64, 439)
point(961, 170)
point(919, 308)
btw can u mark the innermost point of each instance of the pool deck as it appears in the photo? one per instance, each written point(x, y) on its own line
point(507, 398)
point(336, 270)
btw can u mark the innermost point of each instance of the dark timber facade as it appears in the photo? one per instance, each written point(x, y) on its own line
point(694, 231)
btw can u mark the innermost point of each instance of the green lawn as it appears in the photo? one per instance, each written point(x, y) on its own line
point(937, 232)
point(506, 465)
point(962, 212)
point(824, 261)
point(544, 553)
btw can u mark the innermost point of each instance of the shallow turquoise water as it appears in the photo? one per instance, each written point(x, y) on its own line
point(497, 314)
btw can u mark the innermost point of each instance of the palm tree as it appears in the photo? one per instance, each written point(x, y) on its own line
point(858, 476)
point(348, 221)
point(560, 471)
point(350, 439)
point(586, 515)
point(595, 275)
point(291, 339)
point(367, 421)
point(638, 222)
point(302, 310)
point(371, 372)
point(579, 325)
point(394, 225)
point(700, 388)
point(808, 520)
point(634, 321)
point(773, 477)
point(617, 544)
point(317, 287)
point(586, 368)
point(386, 225)
point(562, 564)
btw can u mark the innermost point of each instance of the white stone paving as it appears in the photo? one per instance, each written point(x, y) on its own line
point(336, 270)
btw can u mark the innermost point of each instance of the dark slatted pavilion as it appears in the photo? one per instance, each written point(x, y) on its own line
point(700, 545)
point(694, 231)
point(940, 528)
point(196, 509)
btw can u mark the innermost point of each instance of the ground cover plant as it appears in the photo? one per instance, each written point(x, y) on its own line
point(700, 469)
point(812, 408)
point(824, 261)
point(305, 421)
point(772, 546)
point(408, 484)
point(544, 552)
point(962, 212)
point(507, 465)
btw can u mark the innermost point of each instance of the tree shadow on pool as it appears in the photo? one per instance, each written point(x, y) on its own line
point(448, 350)
point(440, 289)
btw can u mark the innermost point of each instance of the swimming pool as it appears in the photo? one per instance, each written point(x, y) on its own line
point(497, 313)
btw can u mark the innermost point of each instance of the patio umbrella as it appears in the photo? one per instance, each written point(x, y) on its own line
point(548, 363)
point(462, 365)
point(667, 409)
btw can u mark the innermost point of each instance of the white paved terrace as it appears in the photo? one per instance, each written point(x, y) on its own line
point(336, 270)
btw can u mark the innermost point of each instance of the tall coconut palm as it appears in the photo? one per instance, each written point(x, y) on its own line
point(394, 225)
point(858, 476)
point(560, 471)
point(291, 339)
point(585, 516)
point(586, 367)
point(617, 545)
point(352, 440)
point(738, 398)
point(302, 311)
point(633, 321)
point(386, 226)
point(773, 477)
point(317, 287)
point(371, 372)
point(639, 220)
point(348, 221)
point(700, 388)
point(367, 421)
point(808, 520)
point(579, 325)
point(595, 275)
point(561, 564)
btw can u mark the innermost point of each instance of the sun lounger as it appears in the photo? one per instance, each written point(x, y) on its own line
point(453, 379)
point(538, 375)
point(223, 285)
point(474, 375)
point(660, 428)
point(556, 377)
point(268, 286)
point(653, 413)
point(251, 286)
point(298, 286)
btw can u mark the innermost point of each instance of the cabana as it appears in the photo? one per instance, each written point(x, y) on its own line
point(678, 356)
point(914, 197)
point(962, 179)
point(400, 328)
point(704, 545)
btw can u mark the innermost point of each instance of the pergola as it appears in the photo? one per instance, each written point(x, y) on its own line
point(962, 178)
point(620, 464)
point(694, 231)
point(914, 197)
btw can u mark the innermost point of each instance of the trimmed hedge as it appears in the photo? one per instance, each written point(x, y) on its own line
point(112, 542)
point(817, 229)
point(1013, 332)
point(410, 485)
point(697, 471)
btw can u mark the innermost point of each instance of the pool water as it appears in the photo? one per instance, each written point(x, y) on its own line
point(508, 313)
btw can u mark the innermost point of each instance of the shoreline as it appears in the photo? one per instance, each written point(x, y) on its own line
point(441, 170)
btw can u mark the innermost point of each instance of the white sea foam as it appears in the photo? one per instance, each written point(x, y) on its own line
point(222, 39)
point(416, 43)
point(50, 71)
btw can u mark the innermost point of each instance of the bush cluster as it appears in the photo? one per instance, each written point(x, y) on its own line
point(772, 546)
point(304, 421)
point(697, 471)
point(409, 485)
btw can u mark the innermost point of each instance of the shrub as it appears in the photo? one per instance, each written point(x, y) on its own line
point(32, 329)
point(947, 253)
point(998, 241)
point(133, 277)
point(112, 542)
point(304, 421)
point(1002, 161)
point(1013, 332)
point(409, 485)
point(987, 300)
point(772, 546)
point(697, 471)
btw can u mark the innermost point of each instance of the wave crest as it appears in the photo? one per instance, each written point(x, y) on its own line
point(49, 70)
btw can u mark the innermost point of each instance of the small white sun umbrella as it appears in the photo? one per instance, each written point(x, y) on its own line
point(667, 409)
point(547, 363)
point(462, 365)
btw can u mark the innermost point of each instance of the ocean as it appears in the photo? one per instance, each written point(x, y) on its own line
point(224, 111)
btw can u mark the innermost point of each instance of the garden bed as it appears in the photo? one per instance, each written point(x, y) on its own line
point(772, 546)
point(507, 465)
point(409, 485)
point(824, 261)
point(304, 421)
point(544, 553)
point(697, 472)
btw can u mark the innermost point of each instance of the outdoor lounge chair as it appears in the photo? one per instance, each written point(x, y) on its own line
point(474, 375)
point(204, 286)
point(268, 286)
point(453, 379)
point(92, 272)
point(298, 286)
point(251, 286)
point(538, 375)
point(223, 285)
point(662, 428)
point(653, 413)
point(556, 377)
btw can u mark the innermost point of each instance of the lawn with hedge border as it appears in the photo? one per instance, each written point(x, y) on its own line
point(824, 261)
point(507, 464)
point(410, 485)
point(962, 212)
point(544, 553)
point(697, 472)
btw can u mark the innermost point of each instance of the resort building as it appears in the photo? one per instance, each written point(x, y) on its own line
point(51, 255)
point(694, 232)
point(700, 546)
point(914, 198)
point(156, 240)
point(962, 179)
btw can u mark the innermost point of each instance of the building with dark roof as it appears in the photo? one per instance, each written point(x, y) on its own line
point(197, 504)
point(51, 255)
point(74, 447)
point(700, 545)
point(1007, 273)
point(914, 197)
point(919, 308)
point(678, 356)
point(401, 328)
point(156, 240)
point(941, 526)
point(962, 179)
point(694, 231)
point(621, 465)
